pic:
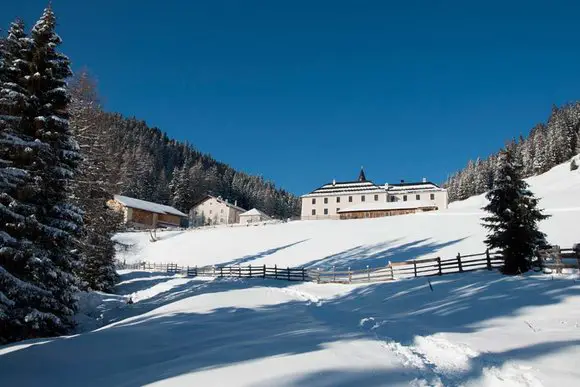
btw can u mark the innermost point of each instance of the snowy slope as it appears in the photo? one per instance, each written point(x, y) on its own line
point(476, 329)
point(358, 243)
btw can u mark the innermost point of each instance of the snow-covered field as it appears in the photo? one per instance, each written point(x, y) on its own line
point(474, 329)
point(358, 243)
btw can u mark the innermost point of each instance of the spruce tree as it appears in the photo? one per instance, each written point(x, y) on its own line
point(514, 216)
point(39, 157)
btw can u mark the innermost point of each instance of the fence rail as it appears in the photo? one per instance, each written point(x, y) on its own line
point(554, 258)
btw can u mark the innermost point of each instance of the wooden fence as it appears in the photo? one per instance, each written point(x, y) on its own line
point(413, 268)
point(554, 258)
point(234, 271)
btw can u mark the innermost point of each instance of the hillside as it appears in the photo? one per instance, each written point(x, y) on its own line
point(472, 329)
point(357, 243)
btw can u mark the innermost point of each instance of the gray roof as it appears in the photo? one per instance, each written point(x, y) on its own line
point(148, 206)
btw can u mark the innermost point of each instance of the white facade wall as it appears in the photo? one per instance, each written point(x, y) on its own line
point(439, 197)
point(248, 219)
point(335, 202)
point(214, 212)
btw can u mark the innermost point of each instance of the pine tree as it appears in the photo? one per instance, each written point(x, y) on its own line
point(39, 157)
point(92, 187)
point(514, 218)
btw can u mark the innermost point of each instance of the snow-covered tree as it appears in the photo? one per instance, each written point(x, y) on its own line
point(39, 157)
point(92, 187)
point(514, 217)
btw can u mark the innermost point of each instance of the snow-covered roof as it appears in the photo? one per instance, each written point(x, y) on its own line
point(147, 206)
point(348, 187)
point(400, 205)
point(254, 212)
point(412, 187)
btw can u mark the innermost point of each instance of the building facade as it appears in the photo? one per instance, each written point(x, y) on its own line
point(362, 198)
point(143, 214)
point(213, 210)
point(253, 216)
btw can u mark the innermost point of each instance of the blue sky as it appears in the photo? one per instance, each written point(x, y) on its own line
point(302, 92)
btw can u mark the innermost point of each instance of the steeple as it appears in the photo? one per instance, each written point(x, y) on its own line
point(361, 175)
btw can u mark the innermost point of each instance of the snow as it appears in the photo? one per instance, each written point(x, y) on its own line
point(357, 243)
point(147, 206)
point(472, 329)
point(253, 212)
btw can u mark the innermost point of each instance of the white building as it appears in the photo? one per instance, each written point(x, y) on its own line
point(364, 199)
point(213, 210)
point(253, 216)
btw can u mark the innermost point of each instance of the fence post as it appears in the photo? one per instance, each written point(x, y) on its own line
point(196, 271)
point(488, 258)
point(264, 275)
point(333, 274)
point(221, 271)
point(239, 271)
point(459, 262)
point(415, 267)
point(250, 271)
point(318, 276)
point(392, 271)
point(368, 274)
point(275, 271)
point(303, 274)
point(288, 273)
point(349, 275)
point(439, 264)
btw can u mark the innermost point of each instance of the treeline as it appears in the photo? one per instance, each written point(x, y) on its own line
point(547, 145)
point(151, 166)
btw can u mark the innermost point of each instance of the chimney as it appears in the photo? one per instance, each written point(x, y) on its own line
point(424, 180)
point(333, 182)
point(402, 181)
point(235, 203)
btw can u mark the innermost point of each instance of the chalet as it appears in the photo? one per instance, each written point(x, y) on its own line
point(364, 199)
point(143, 214)
point(213, 210)
point(253, 216)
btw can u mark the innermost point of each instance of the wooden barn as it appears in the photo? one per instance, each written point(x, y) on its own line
point(143, 214)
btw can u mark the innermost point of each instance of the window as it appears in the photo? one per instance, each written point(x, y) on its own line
point(362, 198)
point(393, 199)
point(338, 209)
point(313, 200)
point(376, 198)
point(313, 212)
point(325, 200)
point(432, 196)
point(350, 199)
point(222, 210)
point(326, 211)
point(210, 212)
point(418, 197)
point(221, 220)
point(338, 199)
point(404, 198)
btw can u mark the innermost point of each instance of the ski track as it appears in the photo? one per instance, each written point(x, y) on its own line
point(435, 360)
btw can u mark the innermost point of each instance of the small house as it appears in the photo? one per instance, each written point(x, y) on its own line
point(253, 216)
point(143, 214)
point(212, 210)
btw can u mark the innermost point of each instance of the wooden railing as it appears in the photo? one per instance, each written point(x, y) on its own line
point(437, 266)
point(234, 271)
point(413, 268)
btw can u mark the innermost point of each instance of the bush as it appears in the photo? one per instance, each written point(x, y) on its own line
point(573, 165)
